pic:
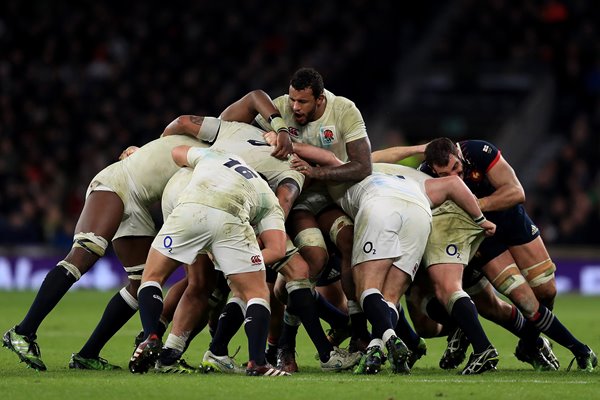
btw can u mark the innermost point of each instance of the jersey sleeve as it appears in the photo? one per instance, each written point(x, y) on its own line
point(209, 129)
point(194, 155)
point(481, 154)
point(352, 123)
point(280, 103)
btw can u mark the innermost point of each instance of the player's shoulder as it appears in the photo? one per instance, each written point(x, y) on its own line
point(339, 103)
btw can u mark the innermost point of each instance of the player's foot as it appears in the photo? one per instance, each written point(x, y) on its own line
point(138, 339)
point(97, 364)
point(177, 367)
point(371, 362)
point(541, 358)
point(145, 355)
point(336, 336)
point(398, 355)
point(263, 370)
point(417, 353)
point(25, 347)
point(286, 360)
point(224, 364)
point(481, 362)
point(271, 354)
point(340, 359)
point(456, 350)
point(586, 361)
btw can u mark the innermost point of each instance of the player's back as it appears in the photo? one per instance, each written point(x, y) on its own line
point(224, 181)
point(147, 171)
point(247, 141)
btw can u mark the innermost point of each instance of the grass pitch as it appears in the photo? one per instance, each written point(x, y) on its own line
point(68, 326)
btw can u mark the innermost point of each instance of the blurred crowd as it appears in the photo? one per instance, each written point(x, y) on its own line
point(521, 38)
point(81, 81)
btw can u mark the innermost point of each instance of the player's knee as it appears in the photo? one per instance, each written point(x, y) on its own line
point(129, 298)
point(507, 280)
point(342, 230)
point(135, 272)
point(540, 273)
point(525, 300)
point(91, 243)
point(312, 245)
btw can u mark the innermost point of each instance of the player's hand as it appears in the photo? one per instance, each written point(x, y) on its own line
point(301, 166)
point(284, 145)
point(271, 138)
point(489, 228)
point(127, 152)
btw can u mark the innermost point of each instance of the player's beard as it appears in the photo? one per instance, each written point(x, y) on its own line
point(304, 119)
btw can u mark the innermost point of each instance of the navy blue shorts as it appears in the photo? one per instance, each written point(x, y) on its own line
point(332, 271)
point(513, 228)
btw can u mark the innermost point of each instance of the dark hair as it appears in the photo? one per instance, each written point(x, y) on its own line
point(305, 78)
point(438, 151)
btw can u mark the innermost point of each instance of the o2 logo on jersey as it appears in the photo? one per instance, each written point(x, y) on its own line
point(168, 242)
point(255, 260)
point(328, 136)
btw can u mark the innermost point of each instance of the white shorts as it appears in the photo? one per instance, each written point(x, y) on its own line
point(195, 228)
point(391, 228)
point(137, 220)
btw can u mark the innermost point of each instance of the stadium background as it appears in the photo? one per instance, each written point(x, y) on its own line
point(80, 81)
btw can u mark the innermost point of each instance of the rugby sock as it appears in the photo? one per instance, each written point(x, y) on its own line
point(377, 311)
point(229, 323)
point(437, 312)
point(56, 284)
point(548, 323)
point(301, 303)
point(118, 311)
point(329, 313)
point(358, 321)
point(465, 314)
point(289, 331)
point(256, 326)
point(151, 305)
point(405, 331)
point(522, 328)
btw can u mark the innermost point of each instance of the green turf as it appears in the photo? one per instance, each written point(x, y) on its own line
point(67, 327)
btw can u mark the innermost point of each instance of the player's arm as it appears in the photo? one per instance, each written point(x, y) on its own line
point(392, 155)
point(287, 192)
point(179, 154)
point(273, 241)
point(184, 125)
point(258, 102)
point(509, 191)
point(453, 188)
point(357, 168)
point(315, 155)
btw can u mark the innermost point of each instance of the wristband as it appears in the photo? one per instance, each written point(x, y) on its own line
point(278, 124)
point(480, 220)
point(273, 116)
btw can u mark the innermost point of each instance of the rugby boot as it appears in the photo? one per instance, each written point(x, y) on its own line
point(25, 347)
point(225, 364)
point(145, 355)
point(264, 370)
point(417, 353)
point(541, 359)
point(481, 362)
point(96, 364)
point(340, 359)
point(586, 362)
point(286, 360)
point(371, 362)
point(456, 350)
point(398, 355)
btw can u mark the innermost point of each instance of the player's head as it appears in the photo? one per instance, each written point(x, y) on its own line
point(306, 95)
point(443, 157)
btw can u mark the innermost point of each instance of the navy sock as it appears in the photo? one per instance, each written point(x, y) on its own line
point(548, 323)
point(151, 305)
point(230, 321)
point(116, 314)
point(301, 303)
point(405, 331)
point(257, 330)
point(329, 313)
point(56, 284)
point(465, 314)
point(378, 313)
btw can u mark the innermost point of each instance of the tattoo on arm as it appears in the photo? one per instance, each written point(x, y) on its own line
point(194, 119)
point(358, 167)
